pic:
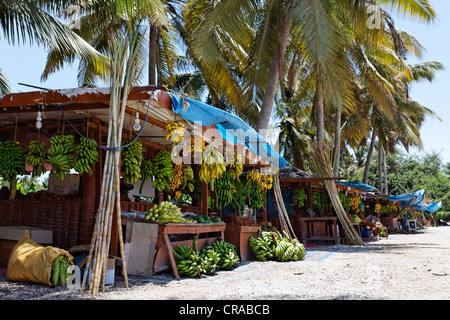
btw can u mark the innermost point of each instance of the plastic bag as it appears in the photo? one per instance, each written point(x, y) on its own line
point(31, 262)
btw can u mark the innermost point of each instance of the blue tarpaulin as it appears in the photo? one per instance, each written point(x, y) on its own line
point(410, 199)
point(431, 208)
point(358, 185)
point(232, 128)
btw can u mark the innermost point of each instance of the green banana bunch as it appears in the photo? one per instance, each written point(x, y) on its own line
point(12, 160)
point(213, 165)
point(223, 188)
point(255, 197)
point(131, 159)
point(60, 154)
point(187, 178)
point(36, 157)
point(59, 273)
point(87, 156)
point(263, 246)
point(162, 170)
point(165, 212)
point(276, 246)
point(211, 259)
point(228, 256)
point(146, 172)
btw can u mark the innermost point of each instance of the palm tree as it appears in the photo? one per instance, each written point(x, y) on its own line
point(31, 21)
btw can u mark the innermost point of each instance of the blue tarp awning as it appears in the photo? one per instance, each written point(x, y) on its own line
point(232, 128)
point(411, 199)
point(431, 208)
point(358, 185)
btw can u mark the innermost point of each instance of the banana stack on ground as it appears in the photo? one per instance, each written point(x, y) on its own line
point(60, 154)
point(13, 160)
point(146, 172)
point(213, 165)
point(59, 274)
point(36, 157)
point(175, 131)
point(223, 189)
point(276, 246)
point(131, 160)
point(87, 156)
point(162, 170)
point(189, 262)
point(229, 258)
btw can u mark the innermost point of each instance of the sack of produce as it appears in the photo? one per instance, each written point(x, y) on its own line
point(31, 262)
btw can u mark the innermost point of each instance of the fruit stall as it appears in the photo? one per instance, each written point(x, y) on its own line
point(62, 133)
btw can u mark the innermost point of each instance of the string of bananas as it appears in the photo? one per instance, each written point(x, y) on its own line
point(276, 246)
point(213, 165)
point(175, 131)
point(224, 188)
point(12, 160)
point(146, 172)
point(197, 144)
point(162, 170)
point(265, 182)
point(236, 167)
point(177, 171)
point(87, 156)
point(36, 157)
point(60, 154)
point(131, 160)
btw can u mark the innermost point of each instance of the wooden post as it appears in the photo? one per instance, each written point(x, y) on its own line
point(310, 195)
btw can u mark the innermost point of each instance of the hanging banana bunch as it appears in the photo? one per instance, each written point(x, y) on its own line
point(87, 156)
point(197, 144)
point(36, 157)
point(213, 165)
point(236, 167)
point(224, 189)
point(176, 179)
point(13, 160)
point(175, 131)
point(162, 170)
point(187, 179)
point(146, 172)
point(131, 161)
point(60, 154)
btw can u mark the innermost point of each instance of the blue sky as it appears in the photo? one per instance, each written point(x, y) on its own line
point(24, 64)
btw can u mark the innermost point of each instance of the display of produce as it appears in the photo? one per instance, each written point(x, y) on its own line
point(187, 179)
point(300, 197)
point(229, 258)
point(255, 197)
point(213, 165)
point(165, 212)
point(131, 160)
point(86, 156)
point(177, 171)
point(12, 160)
point(276, 246)
point(59, 274)
point(236, 167)
point(162, 170)
point(60, 154)
point(204, 219)
point(224, 187)
point(36, 157)
point(146, 172)
point(175, 131)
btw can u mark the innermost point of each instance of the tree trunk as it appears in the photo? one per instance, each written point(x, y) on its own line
point(153, 40)
point(386, 189)
point(369, 157)
point(276, 72)
point(380, 167)
point(337, 142)
point(319, 108)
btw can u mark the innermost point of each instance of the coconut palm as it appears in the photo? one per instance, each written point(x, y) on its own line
point(32, 22)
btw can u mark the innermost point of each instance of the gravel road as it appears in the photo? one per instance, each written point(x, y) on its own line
point(400, 267)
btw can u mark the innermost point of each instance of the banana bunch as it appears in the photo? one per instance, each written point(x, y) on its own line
point(187, 179)
point(211, 259)
point(236, 167)
point(162, 170)
point(59, 273)
point(175, 131)
point(13, 160)
point(266, 182)
point(197, 189)
point(87, 156)
point(189, 262)
point(60, 154)
point(36, 157)
point(131, 160)
point(263, 246)
point(165, 212)
point(176, 177)
point(228, 256)
point(213, 165)
point(287, 249)
point(146, 172)
point(197, 144)
point(255, 197)
point(223, 189)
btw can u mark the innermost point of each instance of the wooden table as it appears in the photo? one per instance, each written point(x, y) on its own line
point(182, 228)
point(330, 232)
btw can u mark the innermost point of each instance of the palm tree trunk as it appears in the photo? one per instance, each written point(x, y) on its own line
point(319, 108)
point(152, 54)
point(276, 72)
point(369, 157)
point(337, 142)
point(386, 189)
point(380, 167)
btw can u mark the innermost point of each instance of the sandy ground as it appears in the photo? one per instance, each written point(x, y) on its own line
point(400, 267)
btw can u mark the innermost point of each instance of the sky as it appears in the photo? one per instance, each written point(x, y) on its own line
point(24, 64)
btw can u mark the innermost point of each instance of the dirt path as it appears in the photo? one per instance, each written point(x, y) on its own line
point(401, 267)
